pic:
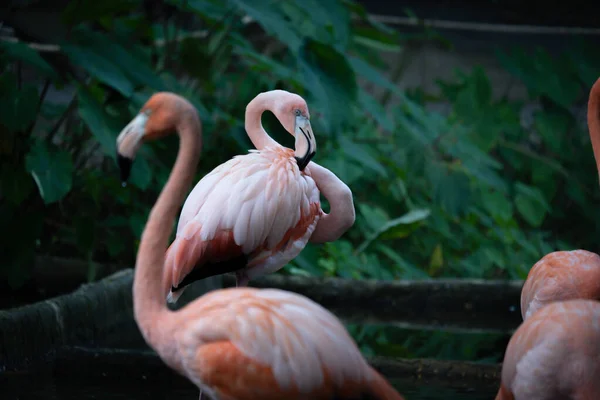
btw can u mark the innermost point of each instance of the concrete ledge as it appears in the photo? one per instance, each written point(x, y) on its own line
point(99, 314)
point(471, 305)
point(451, 304)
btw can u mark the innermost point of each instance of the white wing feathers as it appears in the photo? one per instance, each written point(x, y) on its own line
point(256, 196)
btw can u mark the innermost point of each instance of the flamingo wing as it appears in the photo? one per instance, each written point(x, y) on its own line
point(246, 208)
point(252, 343)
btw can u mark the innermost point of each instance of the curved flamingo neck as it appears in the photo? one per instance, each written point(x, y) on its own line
point(341, 214)
point(593, 118)
point(253, 124)
point(148, 286)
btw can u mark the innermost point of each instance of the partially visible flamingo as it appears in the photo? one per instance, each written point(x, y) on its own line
point(256, 212)
point(565, 275)
point(238, 343)
point(561, 275)
point(554, 354)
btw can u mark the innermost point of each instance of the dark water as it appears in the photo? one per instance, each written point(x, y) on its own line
point(83, 376)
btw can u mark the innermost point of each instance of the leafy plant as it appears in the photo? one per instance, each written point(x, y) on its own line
point(473, 192)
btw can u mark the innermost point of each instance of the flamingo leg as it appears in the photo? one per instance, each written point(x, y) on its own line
point(241, 279)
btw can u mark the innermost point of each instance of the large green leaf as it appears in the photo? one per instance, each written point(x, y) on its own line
point(376, 39)
point(376, 110)
point(136, 68)
point(347, 171)
point(141, 174)
point(409, 270)
point(497, 205)
point(397, 228)
point(103, 129)
point(531, 204)
point(373, 216)
point(127, 58)
point(450, 188)
point(552, 127)
point(339, 18)
point(192, 96)
point(475, 95)
point(362, 68)
point(91, 60)
point(18, 107)
point(262, 63)
point(137, 222)
point(330, 19)
point(402, 226)
point(270, 17)
point(93, 115)
point(543, 74)
point(214, 10)
point(331, 81)
point(361, 154)
point(26, 54)
point(52, 170)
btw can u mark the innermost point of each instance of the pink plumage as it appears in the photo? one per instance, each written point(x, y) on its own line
point(561, 275)
point(554, 354)
point(260, 206)
point(256, 212)
point(277, 345)
point(242, 343)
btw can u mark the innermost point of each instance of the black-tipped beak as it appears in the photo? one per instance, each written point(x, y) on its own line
point(125, 164)
point(306, 146)
point(303, 161)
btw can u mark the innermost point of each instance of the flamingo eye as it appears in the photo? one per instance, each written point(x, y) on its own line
point(297, 112)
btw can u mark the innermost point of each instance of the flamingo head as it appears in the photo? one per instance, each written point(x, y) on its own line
point(159, 117)
point(292, 112)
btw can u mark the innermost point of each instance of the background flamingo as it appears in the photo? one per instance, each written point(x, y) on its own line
point(238, 343)
point(255, 213)
point(564, 275)
point(561, 275)
point(554, 354)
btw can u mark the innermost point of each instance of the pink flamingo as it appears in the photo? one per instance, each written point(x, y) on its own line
point(237, 343)
point(256, 212)
point(565, 275)
point(554, 354)
point(561, 275)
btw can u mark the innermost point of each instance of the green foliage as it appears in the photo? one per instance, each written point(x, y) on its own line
point(51, 169)
point(469, 193)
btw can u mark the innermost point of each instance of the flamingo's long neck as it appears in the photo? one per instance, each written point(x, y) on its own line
point(253, 124)
point(150, 309)
point(593, 118)
point(341, 206)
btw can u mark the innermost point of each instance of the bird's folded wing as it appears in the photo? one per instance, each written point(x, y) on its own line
point(246, 204)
